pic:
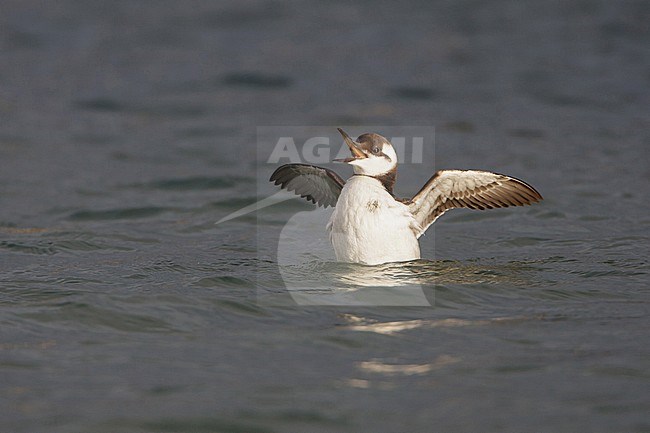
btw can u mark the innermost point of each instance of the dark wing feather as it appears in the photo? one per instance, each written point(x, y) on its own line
point(473, 189)
point(318, 185)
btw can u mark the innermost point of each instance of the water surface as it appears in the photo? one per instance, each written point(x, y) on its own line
point(128, 128)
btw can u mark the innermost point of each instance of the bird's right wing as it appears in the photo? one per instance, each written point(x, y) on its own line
point(473, 189)
point(318, 185)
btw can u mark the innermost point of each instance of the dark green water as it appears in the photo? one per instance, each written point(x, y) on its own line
point(128, 128)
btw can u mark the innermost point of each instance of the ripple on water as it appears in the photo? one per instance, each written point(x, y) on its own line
point(239, 307)
point(120, 213)
point(256, 80)
point(198, 183)
point(456, 285)
point(30, 292)
point(413, 93)
point(427, 272)
point(49, 242)
point(233, 203)
point(224, 281)
point(198, 425)
point(113, 105)
point(38, 247)
point(93, 316)
point(523, 241)
point(100, 104)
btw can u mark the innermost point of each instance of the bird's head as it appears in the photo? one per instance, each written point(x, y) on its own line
point(372, 154)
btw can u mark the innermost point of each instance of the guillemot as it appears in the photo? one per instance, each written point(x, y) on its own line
point(369, 224)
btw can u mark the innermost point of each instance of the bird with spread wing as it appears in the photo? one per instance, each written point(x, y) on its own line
point(369, 224)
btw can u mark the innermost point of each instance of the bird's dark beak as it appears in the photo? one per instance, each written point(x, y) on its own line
point(357, 152)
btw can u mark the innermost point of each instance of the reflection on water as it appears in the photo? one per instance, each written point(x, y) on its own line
point(331, 283)
point(408, 283)
point(379, 367)
point(312, 277)
point(364, 324)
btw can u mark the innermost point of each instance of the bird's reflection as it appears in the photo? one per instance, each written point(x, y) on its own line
point(409, 283)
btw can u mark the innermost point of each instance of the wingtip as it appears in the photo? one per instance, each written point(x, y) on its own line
point(533, 195)
point(537, 197)
point(273, 177)
point(277, 173)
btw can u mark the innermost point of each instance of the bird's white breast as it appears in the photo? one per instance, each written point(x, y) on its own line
point(369, 226)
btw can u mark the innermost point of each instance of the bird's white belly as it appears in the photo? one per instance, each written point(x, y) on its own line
point(369, 226)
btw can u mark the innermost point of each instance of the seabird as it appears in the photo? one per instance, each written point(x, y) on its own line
point(369, 224)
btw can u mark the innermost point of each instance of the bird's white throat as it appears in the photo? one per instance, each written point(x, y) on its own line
point(376, 165)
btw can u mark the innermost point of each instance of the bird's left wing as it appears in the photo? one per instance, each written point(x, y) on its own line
point(473, 189)
point(318, 185)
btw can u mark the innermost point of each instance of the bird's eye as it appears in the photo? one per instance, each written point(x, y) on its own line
point(375, 150)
